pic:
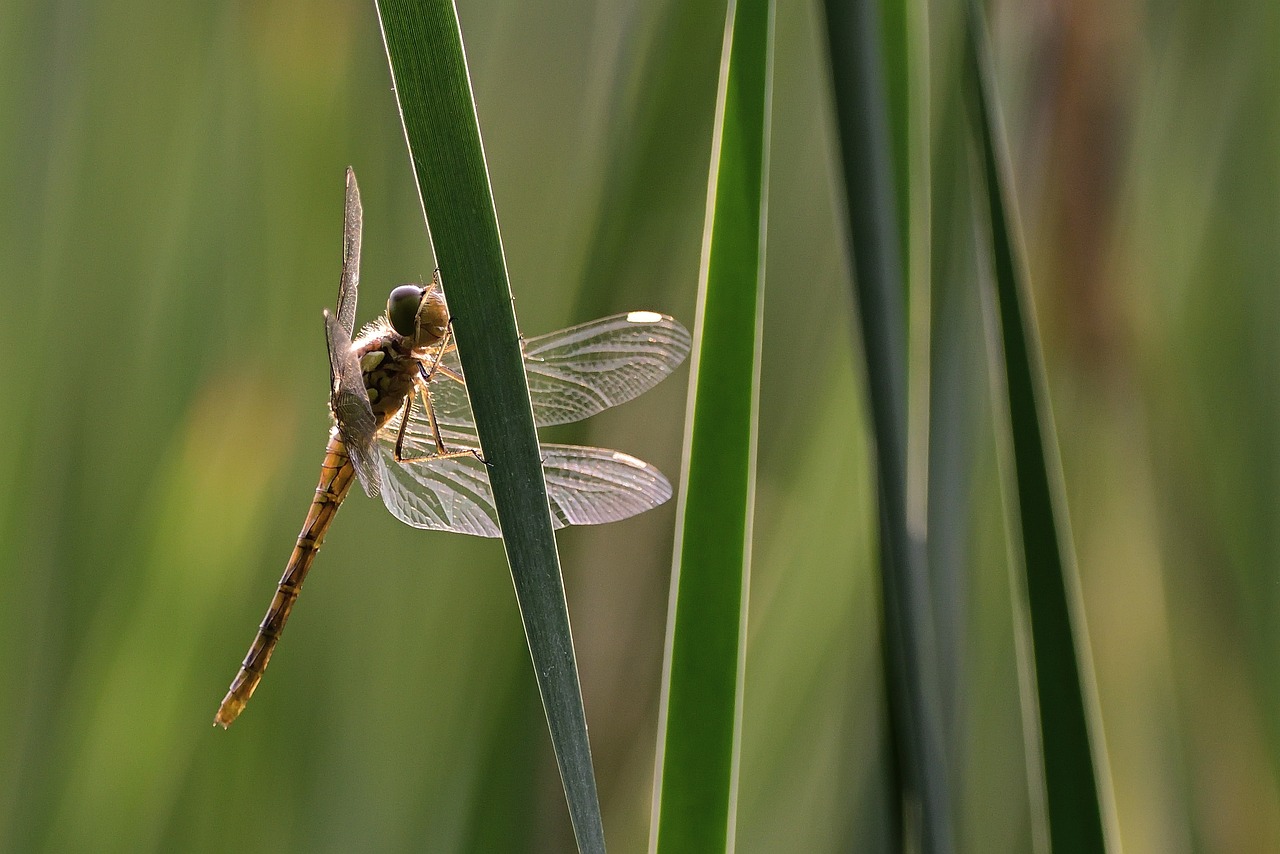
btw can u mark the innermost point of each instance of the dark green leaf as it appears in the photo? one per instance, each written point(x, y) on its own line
point(874, 197)
point(1074, 790)
point(424, 46)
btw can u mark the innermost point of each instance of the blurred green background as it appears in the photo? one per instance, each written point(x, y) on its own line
point(171, 233)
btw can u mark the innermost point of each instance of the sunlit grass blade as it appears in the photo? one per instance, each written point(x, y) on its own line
point(428, 67)
point(873, 192)
point(701, 713)
point(1075, 780)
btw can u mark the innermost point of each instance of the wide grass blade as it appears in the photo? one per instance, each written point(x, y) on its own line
point(866, 109)
point(1076, 785)
point(428, 67)
point(701, 713)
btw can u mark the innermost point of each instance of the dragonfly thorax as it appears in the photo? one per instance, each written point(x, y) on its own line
point(388, 367)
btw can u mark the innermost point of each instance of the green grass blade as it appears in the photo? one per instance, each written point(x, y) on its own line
point(696, 784)
point(958, 399)
point(893, 39)
point(865, 125)
point(428, 66)
point(1076, 786)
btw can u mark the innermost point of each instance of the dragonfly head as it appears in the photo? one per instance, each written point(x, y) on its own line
point(418, 314)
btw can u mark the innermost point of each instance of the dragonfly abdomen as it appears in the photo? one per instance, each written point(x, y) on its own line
point(336, 475)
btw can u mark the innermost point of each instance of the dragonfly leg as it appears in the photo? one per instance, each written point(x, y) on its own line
point(450, 455)
point(441, 452)
point(435, 363)
point(404, 423)
point(449, 372)
point(431, 417)
point(422, 386)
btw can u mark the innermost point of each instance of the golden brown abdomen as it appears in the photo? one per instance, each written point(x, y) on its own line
point(335, 480)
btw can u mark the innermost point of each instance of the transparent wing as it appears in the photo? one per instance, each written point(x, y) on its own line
point(580, 371)
point(585, 486)
point(444, 495)
point(352, 226)
point(350, 404)
point(591, 486)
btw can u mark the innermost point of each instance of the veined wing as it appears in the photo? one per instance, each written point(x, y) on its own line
point(352, 228)
point(351, 408)
point(347, 396)
point(577, 372)
point(586, 486)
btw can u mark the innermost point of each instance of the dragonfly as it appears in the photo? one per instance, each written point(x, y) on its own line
point(403, 426)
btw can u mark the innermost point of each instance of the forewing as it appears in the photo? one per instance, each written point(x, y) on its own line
point(585, 486)
point(350, 404)
point(580, 371)
point(353, 224)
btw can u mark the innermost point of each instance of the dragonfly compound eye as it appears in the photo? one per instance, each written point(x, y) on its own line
point(402, 309)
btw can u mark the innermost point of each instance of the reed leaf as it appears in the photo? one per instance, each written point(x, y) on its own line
point(428, 67)
point(701, 712)
point(1074, 788)
point(870, 119)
